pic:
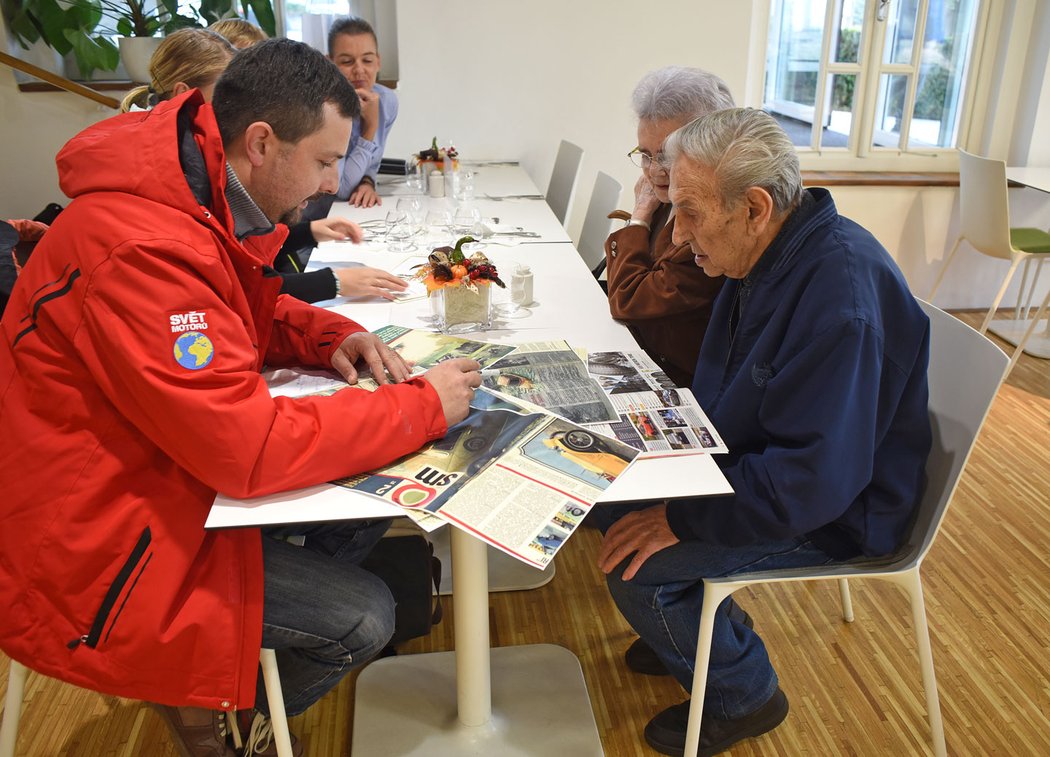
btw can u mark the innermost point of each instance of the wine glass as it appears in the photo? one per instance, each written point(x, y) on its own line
point(399, 231)
point(438, 226)
point(465, 219)
point(413, 208)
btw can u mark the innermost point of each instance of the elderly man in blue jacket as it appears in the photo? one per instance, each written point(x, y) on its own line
point(814, 371)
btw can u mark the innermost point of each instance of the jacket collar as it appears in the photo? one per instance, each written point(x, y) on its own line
point(248, 218)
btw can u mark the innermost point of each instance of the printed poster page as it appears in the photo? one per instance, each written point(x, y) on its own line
point(653, 415)
point(552, 376)
point(426, 349)
point(519, 480)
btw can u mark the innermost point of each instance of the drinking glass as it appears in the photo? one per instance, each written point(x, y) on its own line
point(463, 186)
point(465, 219)
point(399, 231)
point(412, 207)
point(438, 227)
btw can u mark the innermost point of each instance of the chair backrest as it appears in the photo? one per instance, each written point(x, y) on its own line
point(966, 370)
point(983, 205)
point(563, 178)
point(604, 199)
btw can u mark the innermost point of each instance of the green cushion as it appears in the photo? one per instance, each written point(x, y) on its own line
point(1030, 240)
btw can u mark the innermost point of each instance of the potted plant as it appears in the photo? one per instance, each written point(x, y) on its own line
point(85, 27)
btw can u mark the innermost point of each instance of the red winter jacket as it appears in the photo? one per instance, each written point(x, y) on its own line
point(130, 393)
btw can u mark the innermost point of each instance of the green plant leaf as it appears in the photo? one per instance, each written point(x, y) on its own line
point(123, 27)
point(263, 10)
point(214, 10)
point(92, 52)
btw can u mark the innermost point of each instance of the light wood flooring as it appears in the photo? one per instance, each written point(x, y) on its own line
point(854, 688)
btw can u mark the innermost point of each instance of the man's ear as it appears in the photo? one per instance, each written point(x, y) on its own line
point(259, 140)
point(759, 208)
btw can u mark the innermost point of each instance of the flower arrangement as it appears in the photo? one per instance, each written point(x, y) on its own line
point(459, 286)
point(450, 267)
point(434, 156)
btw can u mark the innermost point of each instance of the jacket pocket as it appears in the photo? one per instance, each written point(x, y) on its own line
point(137, 557)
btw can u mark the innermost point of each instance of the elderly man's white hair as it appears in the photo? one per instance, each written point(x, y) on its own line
point(677, 92)
point(744, 147)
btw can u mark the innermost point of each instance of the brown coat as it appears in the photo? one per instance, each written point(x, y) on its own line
point(657, 289)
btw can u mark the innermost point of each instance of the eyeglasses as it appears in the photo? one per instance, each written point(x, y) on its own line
point(642, 159)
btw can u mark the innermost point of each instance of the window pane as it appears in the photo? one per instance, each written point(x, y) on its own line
point(295, 10)
point(889, 111)
point(836, 131)
point(900, 31)
point(942, 69)
point(851, 21)
point(796, 28)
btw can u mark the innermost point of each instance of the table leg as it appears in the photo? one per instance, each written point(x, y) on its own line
point(515, 701)
point(470, 609)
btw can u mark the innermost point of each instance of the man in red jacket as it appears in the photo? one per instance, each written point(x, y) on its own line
point(130, 393)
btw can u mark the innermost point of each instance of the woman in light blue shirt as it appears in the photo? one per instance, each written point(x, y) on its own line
point(353, 47)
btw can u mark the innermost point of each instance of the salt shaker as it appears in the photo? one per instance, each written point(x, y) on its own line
point(521, 286)
point(436, 184)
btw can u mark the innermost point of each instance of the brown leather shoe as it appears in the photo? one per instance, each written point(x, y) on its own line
point(203, 736)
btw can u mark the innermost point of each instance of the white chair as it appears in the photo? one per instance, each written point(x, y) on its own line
point(604, 198)
point(563, 178)
point(985, 223)
point(16, 681)
point(957, 411)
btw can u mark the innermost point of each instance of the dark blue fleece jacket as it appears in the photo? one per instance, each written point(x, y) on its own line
point(819, 391)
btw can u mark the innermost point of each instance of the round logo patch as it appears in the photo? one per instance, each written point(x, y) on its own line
point(193, 350)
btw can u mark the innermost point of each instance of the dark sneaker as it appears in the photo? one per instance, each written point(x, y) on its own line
point(641, 658)
point(666, 732)
point(205, 737)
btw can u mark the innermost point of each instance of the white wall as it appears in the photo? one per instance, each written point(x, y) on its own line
point(509, 80)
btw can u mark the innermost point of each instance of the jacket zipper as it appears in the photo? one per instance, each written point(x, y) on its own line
point(91, 638)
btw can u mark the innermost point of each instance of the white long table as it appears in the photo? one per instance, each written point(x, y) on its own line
point(521, 700)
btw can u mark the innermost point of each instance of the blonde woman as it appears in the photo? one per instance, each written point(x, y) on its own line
point(239, 32)
point(186, 59)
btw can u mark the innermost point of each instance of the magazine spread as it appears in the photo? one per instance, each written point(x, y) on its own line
point(653, 415)
point(512, 473)
point(552, 376)
point(519, 480)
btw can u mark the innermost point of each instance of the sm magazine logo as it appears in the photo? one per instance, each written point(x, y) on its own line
point(194, 320)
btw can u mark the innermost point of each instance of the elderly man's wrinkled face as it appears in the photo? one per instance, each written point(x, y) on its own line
point(651, 136)
point(722, 239)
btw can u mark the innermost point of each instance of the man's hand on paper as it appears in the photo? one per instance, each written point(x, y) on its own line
point(369, 282)
point(375, 354)
point(455, 382)
point(336, 230)
point(643, 532)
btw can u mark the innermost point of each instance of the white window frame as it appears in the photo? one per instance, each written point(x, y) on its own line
point(992, 85)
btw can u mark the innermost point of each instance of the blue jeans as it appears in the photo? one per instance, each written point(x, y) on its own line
point(322, 613)
point(663, 604)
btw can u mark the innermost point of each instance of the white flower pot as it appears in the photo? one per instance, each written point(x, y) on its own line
point(135, 54)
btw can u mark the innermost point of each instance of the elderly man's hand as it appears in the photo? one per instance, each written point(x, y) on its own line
point(644, 533)
point(375, 354)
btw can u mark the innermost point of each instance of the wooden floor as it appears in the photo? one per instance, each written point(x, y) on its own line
point(854, 689)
